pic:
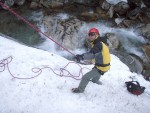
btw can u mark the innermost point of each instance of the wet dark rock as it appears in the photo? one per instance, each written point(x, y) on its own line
point(146, 49)
point(105, 5)
point(89, 17)
point(133, 14)
point(146, 71)
point(121, 8)
point(110, 12)
point(34, 5)
point(145, 32)
point(19, 2)
point(145, 11)
point(10, 3)
point(126, 23)
point(147, 3)
point(52, 4)
point(132, 61)
point(101, 13)
point(134, 3)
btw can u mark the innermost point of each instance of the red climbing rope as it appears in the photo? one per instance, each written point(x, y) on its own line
point(4, 65)
point(34, 27)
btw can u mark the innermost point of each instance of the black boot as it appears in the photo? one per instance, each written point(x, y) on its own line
point(76, 90)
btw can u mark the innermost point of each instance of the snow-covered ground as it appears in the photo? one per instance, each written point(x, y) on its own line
point(50, 93)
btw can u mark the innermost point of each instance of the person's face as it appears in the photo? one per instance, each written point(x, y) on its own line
point(92, 36)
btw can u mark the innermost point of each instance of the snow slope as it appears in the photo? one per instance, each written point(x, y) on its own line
point(50, 93)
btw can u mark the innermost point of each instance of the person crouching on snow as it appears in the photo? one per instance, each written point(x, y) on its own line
point(99, 53)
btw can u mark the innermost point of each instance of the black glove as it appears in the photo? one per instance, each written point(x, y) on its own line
point(79, 57)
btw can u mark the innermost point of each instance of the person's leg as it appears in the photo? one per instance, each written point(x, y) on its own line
point(96, 80)
point(87, 77)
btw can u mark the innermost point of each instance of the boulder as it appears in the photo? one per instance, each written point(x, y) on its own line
point(132, 61)
point(145, 12)
point(133, 14)
point(64, 31)
point(110, 12)
point(9, 3)
point(126, 23)
point(89, 17)
point(147, 3)
point(146, 49)
point(105, 5)
point(34, 5)
point(113, 40)
point(146, 71)
point(56, 4)
point(144, 31)
point(101, 13)
point(20, 2)
point(121, 8)
point(134, 3)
